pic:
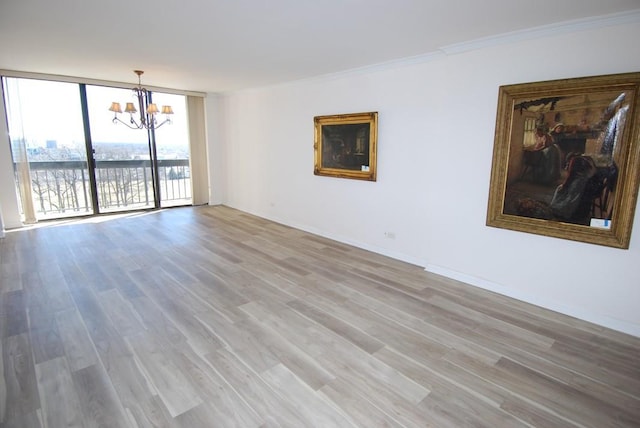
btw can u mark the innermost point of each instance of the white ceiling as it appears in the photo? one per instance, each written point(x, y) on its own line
point(226, 45)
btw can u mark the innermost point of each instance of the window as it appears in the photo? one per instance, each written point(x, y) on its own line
point(71, 160)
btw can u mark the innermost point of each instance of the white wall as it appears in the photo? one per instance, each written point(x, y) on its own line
point(436, 130)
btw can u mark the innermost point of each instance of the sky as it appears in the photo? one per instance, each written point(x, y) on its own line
point(45, 110)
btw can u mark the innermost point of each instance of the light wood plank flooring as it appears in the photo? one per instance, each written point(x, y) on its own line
point(210, 317)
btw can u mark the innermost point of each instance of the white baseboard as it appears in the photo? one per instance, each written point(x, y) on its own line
point(604, 321)
point(338, 238)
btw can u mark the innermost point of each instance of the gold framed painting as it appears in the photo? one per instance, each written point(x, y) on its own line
point(566, 159)
point(345, 145)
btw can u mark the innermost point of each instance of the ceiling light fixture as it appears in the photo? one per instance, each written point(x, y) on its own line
point(148, 110)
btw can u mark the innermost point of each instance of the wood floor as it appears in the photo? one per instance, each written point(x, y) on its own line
point(210, 317)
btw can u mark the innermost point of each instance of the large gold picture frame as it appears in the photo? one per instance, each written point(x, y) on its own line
point(566, 159)
point(345, 145)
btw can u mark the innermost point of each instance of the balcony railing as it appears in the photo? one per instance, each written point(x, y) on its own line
point(62, 188)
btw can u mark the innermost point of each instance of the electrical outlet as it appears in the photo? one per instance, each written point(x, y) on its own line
point(390, 235)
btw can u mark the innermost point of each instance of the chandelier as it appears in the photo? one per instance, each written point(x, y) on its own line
point(148, 110)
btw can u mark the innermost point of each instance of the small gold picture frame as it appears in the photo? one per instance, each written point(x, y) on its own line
point(566, 159)
point(345, 145)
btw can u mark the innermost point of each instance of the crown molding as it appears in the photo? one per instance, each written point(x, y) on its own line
point(565, 27)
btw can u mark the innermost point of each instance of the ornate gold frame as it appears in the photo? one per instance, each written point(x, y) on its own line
point(598, 152)
point(345, 145)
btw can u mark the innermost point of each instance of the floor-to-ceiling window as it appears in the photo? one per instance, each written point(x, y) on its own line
point(71, 159)
point(48, 148)
point(123, 167)
point(172, 152)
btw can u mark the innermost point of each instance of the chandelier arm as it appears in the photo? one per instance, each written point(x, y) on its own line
point(162, 123)
point(117, 119)
point(141, 125)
